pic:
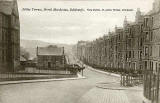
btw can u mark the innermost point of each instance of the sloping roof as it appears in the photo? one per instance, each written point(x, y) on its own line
point(6, 6)
point(50, 50)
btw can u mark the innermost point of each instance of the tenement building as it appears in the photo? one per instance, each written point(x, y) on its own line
point(133, 49)
point(9, 36)
point(119, 50)
point(151, 57)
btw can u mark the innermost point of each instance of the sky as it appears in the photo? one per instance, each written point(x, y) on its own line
point(71, 26)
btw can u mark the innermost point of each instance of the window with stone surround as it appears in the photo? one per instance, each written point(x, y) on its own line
point(150, 50)
point(129, 55)
point(134, 66)
point(146, 51)
point(133, 54)
point(145, 65)
point(151, 36)
point(141, 54)
point(147, 36)
point(151, 65)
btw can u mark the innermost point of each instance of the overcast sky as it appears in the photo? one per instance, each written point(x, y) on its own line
point(69, 27)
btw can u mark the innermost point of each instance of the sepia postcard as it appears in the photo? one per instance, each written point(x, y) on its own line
point(79, 51)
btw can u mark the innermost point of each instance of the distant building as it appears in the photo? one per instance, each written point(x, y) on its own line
point(80, 49)
point(51, 57)
point(9, 36)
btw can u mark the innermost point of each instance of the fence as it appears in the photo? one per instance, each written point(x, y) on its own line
point(131, 80)
point(29, 76)
point(34, 73)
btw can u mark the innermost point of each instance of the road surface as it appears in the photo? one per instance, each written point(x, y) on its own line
point(70, 91)
point(52, 92)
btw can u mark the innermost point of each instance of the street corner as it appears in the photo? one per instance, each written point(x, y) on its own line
point(81, 76)
point(117, 86)
point(111, 86)
point(134, 94)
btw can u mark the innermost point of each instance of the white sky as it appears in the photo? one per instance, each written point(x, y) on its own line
point(69, 27)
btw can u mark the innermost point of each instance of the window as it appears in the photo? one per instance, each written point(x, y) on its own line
point(152, 21)
point(133, 54)
point(141, 28)
point(151, 35)
point(147, 36)
point(146, 51)
point(129, 64)
point(140, 67)
point(156, 67)
point(151, 51)
point(151, 65)
point(140, 54)
point(49, 64)
point(134, 66)
point(119, 36)
point(145, 65)
point(129, 42)
point(116, 48)
point(146, 22)
point(130, 31)
point(129, 54)
point(126, 56)
point(141, 42)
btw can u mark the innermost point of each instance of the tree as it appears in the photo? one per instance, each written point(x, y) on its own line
point(24, 53)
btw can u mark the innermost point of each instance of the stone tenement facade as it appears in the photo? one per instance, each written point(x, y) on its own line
point(151, 55)
point(9, 36)
point(121, 49)
point(133, 48)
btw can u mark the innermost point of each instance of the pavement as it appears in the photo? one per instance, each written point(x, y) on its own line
point(40, 80)
point(104, 72)
point(107, 91)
